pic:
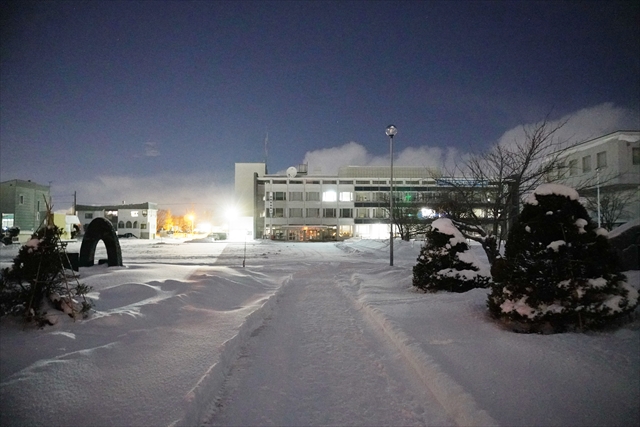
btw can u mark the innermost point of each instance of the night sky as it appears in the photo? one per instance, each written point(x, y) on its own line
point(155, 101)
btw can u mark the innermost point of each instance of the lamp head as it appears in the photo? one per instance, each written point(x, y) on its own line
point(391, 131)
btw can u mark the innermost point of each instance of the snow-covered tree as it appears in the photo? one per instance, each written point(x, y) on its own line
point(38, 280)
point(559, 272)
point(446, 263)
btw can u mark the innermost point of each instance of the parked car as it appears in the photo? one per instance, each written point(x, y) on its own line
point(10, 235)
point(217, 236)
point(127, 235)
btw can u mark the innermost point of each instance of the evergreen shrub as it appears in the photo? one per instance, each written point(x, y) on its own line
point(38, 277)
point(559, 272)
point(446, 263)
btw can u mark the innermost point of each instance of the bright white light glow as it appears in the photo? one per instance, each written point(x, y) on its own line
point(427, 213)
point(329, 196)
point(231, 213)
point(203, 227)
point(346, 196)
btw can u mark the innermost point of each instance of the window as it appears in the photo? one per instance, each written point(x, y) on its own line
point(38, 206)
point(143, 226)
point(346, 196)
point(121, 224)
point(586, 164)
point(88, 215)
point(279, 195)
point(345, 182)
point(134, 214)
point(313, 212)
point(346, 213)
point(329, 196)
point(601, 160)
point(362, 213)
point(7, 220)
point(363, 196)
point(331, 181)
point(381, 196)
point(128, 225)
point(135, 224)
point(380, 213)
point(363, 182)
point(635, 155)
point(329, 213)
point(295, 212)
point(295, 196)
point(313, 196)
point(278, 212)
point(573, 167)
point(22, 199)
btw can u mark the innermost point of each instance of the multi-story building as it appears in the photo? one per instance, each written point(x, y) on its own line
point(138, 219)
point(355, 203)
point(609, 166)
point(23, 205)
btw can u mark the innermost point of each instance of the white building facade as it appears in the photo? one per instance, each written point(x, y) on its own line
point(608, 165)
point(355, 203)
point(139, 219)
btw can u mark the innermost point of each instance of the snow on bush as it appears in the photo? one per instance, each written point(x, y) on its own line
point(38, 281)
point(446, 263)
point(559, 272)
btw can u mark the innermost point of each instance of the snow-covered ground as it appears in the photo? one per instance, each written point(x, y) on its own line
point(306, 333)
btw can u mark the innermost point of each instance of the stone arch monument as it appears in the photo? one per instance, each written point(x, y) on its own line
point(100, 229)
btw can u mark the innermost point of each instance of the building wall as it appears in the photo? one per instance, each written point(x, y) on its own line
point(353, 204)
point(245, 186)
point(139, 219)
point(25, 200)
point(579, 168)
point(246, 197)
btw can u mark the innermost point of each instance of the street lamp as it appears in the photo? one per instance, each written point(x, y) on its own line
point(598, 193)
point(391, 132)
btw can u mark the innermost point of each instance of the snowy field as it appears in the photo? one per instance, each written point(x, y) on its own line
point(305, 334)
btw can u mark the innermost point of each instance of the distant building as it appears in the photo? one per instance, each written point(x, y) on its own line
point(355, 203)
point(22, 205)
point(610, 165)
point(140, 219)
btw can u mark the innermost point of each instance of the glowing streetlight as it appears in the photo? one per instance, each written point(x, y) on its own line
point(391, 132)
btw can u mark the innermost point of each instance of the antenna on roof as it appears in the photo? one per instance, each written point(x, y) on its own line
point(266, 150)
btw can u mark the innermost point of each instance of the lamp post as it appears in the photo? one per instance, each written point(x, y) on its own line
point(598, 193)
point(391, 132)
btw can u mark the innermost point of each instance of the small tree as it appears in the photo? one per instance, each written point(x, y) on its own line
point(613, 206)
point(445, 262)
point(488, 195)
point(165, 219)
point(408, 221)
point(38, 274)
point(559, 272)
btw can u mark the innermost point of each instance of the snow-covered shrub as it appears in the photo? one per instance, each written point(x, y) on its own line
point(559, 272)
point(38, 278)
point(446, 263)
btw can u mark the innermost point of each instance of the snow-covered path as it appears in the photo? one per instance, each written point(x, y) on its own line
point(317, 361)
